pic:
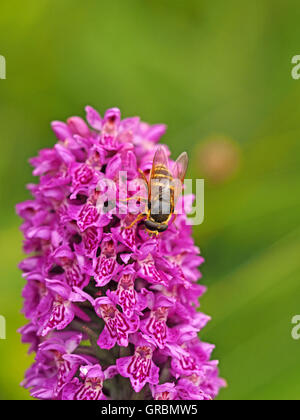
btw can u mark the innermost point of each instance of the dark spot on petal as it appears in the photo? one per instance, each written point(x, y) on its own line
point(79, 200)
point(56, 269)
point(121, 262)
point(76, 239)
point(114, 221)
point(119, 308)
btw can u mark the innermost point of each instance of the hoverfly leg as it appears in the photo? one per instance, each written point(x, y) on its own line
point(133, 198)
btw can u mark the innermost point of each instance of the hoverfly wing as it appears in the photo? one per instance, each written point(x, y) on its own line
point(180, 166)
point(160, 160)
point(179, 171)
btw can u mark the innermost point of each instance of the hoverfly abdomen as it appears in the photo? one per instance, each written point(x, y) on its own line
point(161, 201)
point(161, 171)
point(155, 226)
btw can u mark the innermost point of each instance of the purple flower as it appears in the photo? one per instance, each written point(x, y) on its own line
point(106, 302)
point(105, 266)
point(154, 325)
point(52, 371)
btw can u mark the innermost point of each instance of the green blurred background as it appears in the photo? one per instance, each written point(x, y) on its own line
point(219, 74)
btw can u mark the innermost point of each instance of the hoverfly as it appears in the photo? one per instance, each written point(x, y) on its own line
point(164, 188)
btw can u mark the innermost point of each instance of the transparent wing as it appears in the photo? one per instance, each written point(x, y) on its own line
point(160, 160)
point(180, 166)
point(179, 171)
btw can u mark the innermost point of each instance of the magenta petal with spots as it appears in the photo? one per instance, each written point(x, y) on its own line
point(117, 326)
point(139, 368)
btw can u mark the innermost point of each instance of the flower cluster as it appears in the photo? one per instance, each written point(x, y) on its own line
point(113, 311)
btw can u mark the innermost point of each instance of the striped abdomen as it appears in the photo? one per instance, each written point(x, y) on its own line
point(161, 202)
